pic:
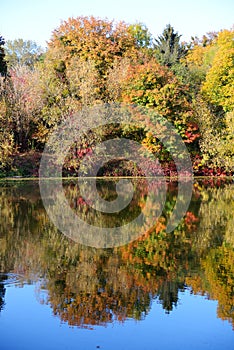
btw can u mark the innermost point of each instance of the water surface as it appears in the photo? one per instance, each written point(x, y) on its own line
point(160, 291)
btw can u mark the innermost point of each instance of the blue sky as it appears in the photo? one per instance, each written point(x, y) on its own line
point(35, 20)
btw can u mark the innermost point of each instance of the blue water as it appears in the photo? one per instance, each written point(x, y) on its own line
point(26, 324)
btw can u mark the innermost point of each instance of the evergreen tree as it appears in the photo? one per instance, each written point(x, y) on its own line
point(3, 65)
point(168, 48)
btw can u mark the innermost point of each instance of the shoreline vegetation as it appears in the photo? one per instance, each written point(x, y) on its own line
point(91, 62)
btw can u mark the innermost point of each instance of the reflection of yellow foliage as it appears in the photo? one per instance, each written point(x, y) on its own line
point(196, 283)
point(219, 272)
point(88, 286)
point(217, 281)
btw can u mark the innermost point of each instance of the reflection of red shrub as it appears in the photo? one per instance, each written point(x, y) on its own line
point(204, 170)
point(85, 151)
point(81, 201)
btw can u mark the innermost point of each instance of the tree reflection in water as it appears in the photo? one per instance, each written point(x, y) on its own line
point(87, 286)
point(2, 291)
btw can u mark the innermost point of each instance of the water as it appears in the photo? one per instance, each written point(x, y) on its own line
point(160, 291)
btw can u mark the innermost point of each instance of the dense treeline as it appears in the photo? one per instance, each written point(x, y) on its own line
point(90, 61)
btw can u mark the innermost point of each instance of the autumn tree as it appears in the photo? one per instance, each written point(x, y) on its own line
point(90, 61)
point(142, 35)
point(216, 141)
point(6, 136)
point(95, 39)
point(218, 86)
point(57, 99)
point(153, 85)
point(200, 56)
point(20, 52)
point(207, 39)
point(98, 41)
point(23, 101)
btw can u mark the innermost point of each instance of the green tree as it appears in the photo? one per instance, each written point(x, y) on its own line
point(216, 129)
point(22, 52)
point(192, 69)
point(142, 35)
point(3, 66)
point(168, 48)
point(6, 144)
point(6, 134)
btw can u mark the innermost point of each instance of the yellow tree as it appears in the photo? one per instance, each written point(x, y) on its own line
point(218, 86)
point(94, 40)
point(199, 59)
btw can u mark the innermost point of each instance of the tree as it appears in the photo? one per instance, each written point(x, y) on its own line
point(60, 90)
point(218, 86)
point(207, 39)
point(20, 52)
point(216, 141)
point(194, 67)
point(3, 65)
point(156, 87)
point(142, 35)
point(95, 40)
point(23, 101)
point(82, 80)
point(2, 291)
point(168, 48)
point(6, 139)
point(153, 85)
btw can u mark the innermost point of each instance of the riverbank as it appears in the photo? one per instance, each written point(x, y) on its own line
point(26, 165)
